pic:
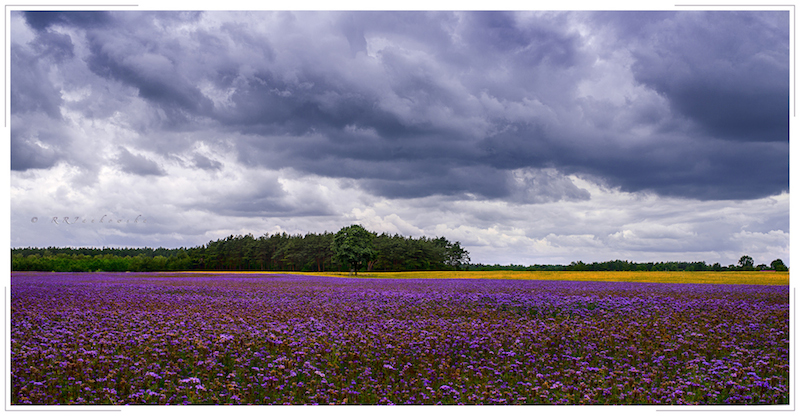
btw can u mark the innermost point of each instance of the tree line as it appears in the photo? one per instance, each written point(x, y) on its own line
point(745, 264)
point(270, 252)
point(356, 249)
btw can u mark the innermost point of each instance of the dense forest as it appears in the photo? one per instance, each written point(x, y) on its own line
point(313, 252)
point(276, 252)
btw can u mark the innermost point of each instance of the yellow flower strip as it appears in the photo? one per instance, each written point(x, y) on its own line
point(727, 277)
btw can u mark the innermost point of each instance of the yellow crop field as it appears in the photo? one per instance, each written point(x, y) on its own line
point(725, 277)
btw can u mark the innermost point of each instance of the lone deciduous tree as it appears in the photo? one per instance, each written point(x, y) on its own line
point(746, 263)
point(353, 246)
point(778, 265)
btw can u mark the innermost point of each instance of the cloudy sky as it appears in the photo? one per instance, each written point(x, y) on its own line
point(530, 137)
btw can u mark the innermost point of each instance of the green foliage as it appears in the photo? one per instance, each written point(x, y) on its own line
point(621, 265)
point(353, 246)
point(746, 263)
point(314, 253)
point(277, 252)
point(778, 265)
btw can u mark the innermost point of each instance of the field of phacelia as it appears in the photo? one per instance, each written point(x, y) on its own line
point(104, 338)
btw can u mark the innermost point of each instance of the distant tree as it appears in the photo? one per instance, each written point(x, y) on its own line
point(577, 266)
point(353, 246)
point(455, 255)
point(746, 263)
point(778, 265)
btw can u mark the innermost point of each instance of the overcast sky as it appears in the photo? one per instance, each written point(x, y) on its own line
point(530, 137)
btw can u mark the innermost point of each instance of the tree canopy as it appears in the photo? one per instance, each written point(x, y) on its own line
point(353, 246)
point(314, 252)
point(778, 265)
point(746, 263)
point(275, 252)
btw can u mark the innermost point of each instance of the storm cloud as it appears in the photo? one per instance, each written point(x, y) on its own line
point(523, 109)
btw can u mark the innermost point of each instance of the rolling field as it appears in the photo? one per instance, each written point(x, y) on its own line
point(203, 338)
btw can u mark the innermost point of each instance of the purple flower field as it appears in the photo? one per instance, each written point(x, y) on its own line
point(129, 338)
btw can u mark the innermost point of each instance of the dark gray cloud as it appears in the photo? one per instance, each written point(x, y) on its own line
point(39, 142)
point(42, 20)
point(727, 71)
point(137, 164)
point(355, 35)
point(153, 74)
point(415, 104)
point(31, 90)
point(264, 204)
point(543, 186)
point(202, 162)
point(436, 179)
point(503, 35)
point(55, 45)
point(27, 154)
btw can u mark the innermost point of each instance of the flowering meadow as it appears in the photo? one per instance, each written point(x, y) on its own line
point(139, 338)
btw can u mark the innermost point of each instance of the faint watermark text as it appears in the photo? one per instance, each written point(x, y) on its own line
point(105, 219)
